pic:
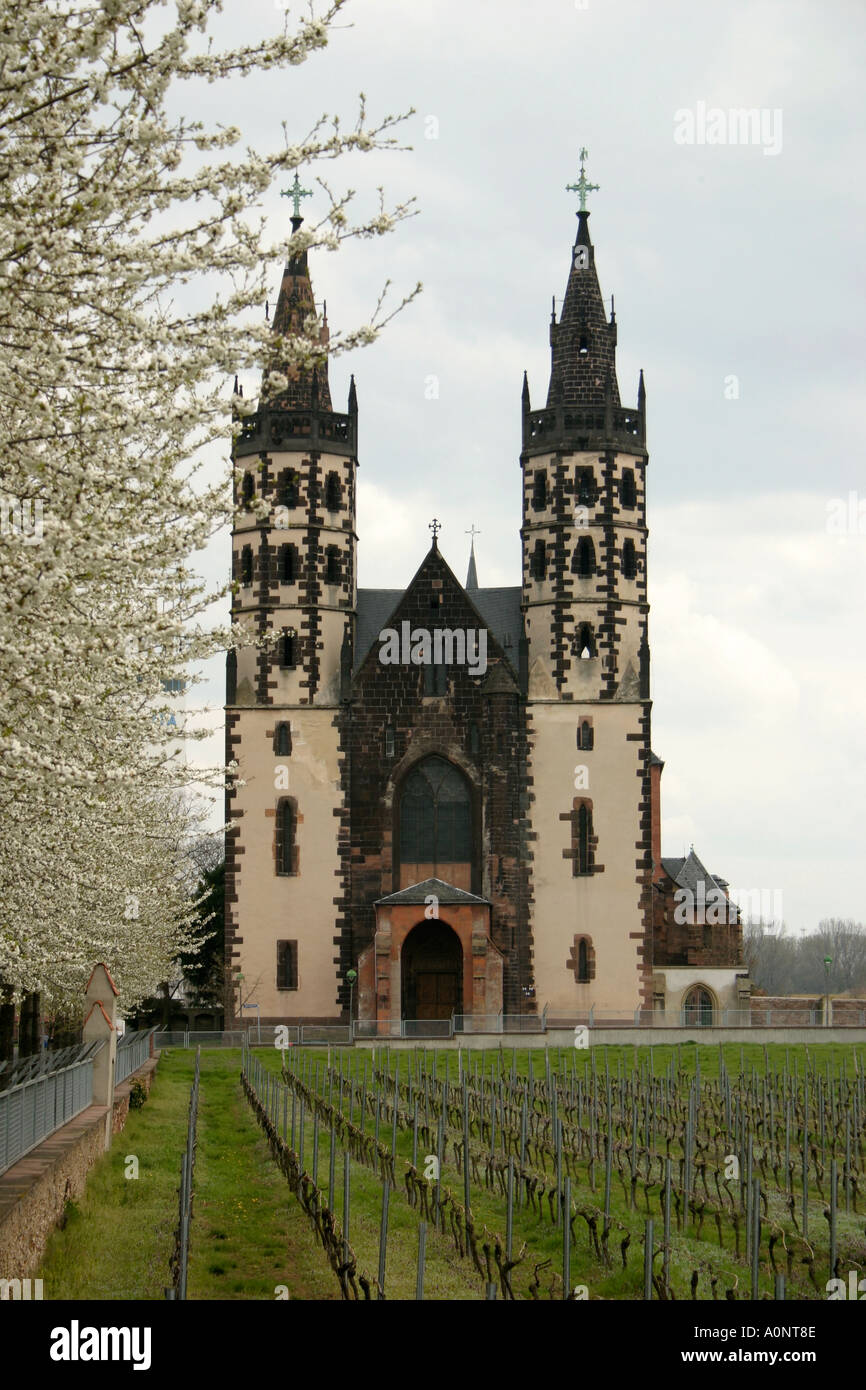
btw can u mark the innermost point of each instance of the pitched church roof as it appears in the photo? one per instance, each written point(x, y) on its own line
point(431, 888)
point(499, 607)
point(688, 871)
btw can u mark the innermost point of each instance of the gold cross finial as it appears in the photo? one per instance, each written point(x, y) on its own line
point(582, 187)
point(296, 192)
point(435, 526)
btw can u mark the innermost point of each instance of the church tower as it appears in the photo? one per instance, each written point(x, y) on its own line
point(584, 600)
point(294, 548)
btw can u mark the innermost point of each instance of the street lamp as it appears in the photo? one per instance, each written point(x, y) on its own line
point(351, 976)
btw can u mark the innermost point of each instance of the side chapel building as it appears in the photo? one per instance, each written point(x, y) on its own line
point(464, 842)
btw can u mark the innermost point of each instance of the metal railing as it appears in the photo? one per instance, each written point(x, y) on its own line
point(179, 1261)
point(42, 1063)
point(32, 1110)
point(180, 1037)
point(133, 1050)
point(498, 1023)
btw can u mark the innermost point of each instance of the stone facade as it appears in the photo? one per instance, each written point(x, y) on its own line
point(527, 785)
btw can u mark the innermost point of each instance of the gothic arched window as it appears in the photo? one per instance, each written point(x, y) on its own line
point(283, 740)
point(585, 487)
point(585, 736)
point(435, 816)
point(248, 489)
point(247, 565)
point(539, 491)
point(286, 852)
point(288, 650)
point(539, 560)
point(627, 489)
point(699, 1007)
point(231, 676)
point(333, 493)
point(584, 642)
point(582, 962)
point(629, 560)
point(583, 563)
point(288, 564)
point(332, 565)
point(288, 489)
point(583, 848)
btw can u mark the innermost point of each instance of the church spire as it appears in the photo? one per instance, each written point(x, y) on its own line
point(308, 388)
point(472, 573)
point(583, 342)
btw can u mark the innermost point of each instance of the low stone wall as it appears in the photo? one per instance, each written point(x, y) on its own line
point(35, 1190)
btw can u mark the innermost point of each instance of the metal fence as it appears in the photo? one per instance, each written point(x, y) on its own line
point(179, 1261)
point(133, 1050)
point(190, 1038)
point(33, 1109)
point(498, 1023)
point(42, 1063)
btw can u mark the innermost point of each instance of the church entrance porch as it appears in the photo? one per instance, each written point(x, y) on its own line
point(432, 972)
point(431, 957)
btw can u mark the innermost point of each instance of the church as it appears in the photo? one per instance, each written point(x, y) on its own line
point(448, 806)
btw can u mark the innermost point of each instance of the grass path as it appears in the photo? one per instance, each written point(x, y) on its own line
point(248, 1235)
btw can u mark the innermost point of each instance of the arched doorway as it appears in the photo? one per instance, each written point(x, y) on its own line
point(432, 972)
point(699, 1007)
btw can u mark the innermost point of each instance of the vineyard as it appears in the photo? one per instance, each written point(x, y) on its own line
point(617, 1173)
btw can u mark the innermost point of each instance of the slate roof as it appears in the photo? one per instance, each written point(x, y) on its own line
point(689, 871)
point(432, 887)
point(500, 609)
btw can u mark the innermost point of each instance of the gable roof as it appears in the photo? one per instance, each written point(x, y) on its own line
point(435, 888)
point(687, 872)
point(500, 609)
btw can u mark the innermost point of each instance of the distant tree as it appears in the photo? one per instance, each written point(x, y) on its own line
point(203, 967)
point(779, 964)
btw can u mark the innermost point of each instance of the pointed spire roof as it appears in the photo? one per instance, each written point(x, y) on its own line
point(471, 573)
point(583, 341)
point(307, 388)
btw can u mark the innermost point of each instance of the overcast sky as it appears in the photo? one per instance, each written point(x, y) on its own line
point(737, 273)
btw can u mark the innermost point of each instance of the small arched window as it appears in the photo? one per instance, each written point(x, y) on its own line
point(629, 560)
point(539, 491)
point(288, 650)
point(585, 487)
point(247, 565)
point(583, 563)
point(583, 848)
point(627, 489)
point(539, 560)
point(248, 488)
point(231, 676)
point(286, 855)
point(585, 736)
point(389, 741)
point(288, 489)
point(333, 493)
point(584, 643)
point(283, 740)
point(474, 739)
point(699, 1007)
point(332, 565)
point(287, 568)
point(582, 962)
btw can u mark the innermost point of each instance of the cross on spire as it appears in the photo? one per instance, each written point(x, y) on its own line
point(582, 187)
point(435, 526)
point(296, 192)
point(473, 533)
